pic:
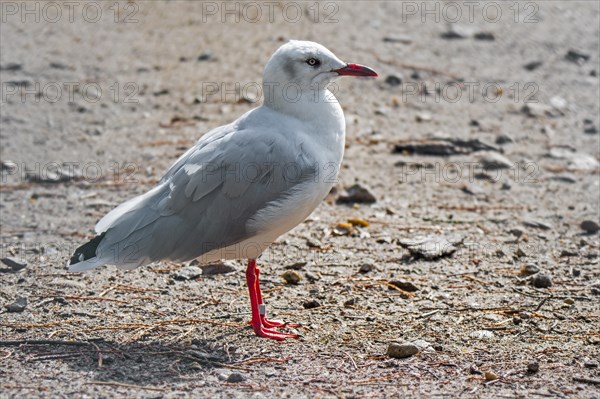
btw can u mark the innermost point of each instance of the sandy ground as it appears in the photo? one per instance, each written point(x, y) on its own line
point(105, 96)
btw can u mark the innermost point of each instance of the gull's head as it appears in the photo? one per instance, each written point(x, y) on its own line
point(309, 64)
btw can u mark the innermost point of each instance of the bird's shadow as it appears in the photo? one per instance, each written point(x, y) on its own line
point(140, 363)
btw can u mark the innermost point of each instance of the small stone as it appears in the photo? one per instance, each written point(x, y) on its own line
point(482, 334)
point(187, 273)
point(404, 285)
point(398, 39)
point(484, 36)
point(537, 224)
point(311, 304)
point(577, 56)
point(457, 32)
point(569, 301)
point(495, 161)
point(291, 277)
point(365, 268)
point(591, 364)
point(519, 253)
point(236, 377)
point(357, 194)
point(393, 80)
point(541, 280)
point(533, 65)
point(533, 366)
point(423, 117)
point(524, 315)
point(568, 253)
point(401, 351)
point(504, 139)
point(218, 268)
point(14, 263)
point(205, 56)
point(588, 127)
point(590, 226)
point(350, 302)
point(517, 320)
point(432, 247)
point(17, 306)
point(529, 269)
point(11, 66)
point(538, 110)
point(489, 376)
point(595, 291)
point(473, 189)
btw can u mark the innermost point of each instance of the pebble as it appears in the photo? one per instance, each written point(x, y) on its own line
point(357, 194)
point(365, 268)
point(537, 224)
point(393, 80)
point(432, 247)
point(504, 139)
point(482, 334)
point(17, 306)
point(291, 277)
point(529, 269)
point(8, 166)
point(404, 285)
point(577, 56)
point(591, 364)
point(495, 161)
point(569, 301)
point(473, 189)
point(541, 280)
point(423, 117)
point(590, 226)
point(311, 304)
point(187, 273)
point(537, 110)
point(205, 56)
point(595, 291)
point(489, 376)
point(11, 66)
point(485, 36)
point(401, 351)
point(457, 32)
point(350, 302)
point(443, 146)
point(236, 377)
point(218, 268)
point(533, 65)
point(398, 39)
point(533, 366)
point(588, 127)
point(519, 253)
point(14, 263)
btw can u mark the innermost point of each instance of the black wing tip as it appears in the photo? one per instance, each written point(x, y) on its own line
point(87, 250)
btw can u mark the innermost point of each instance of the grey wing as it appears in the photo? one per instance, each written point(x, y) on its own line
point(205, 200)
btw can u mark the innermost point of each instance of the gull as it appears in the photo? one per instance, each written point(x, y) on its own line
point(242, 185)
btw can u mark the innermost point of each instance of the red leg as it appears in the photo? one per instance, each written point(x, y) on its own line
point(255, 301)
point(263, 317)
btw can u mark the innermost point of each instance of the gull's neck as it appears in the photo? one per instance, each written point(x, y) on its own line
point(304, 103)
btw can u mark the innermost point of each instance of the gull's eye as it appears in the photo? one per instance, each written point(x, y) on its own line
point(313, 62)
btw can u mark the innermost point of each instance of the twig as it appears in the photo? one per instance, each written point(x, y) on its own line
point(541, 303)
point(119, 384)
point(42, 342)
point(586, 380)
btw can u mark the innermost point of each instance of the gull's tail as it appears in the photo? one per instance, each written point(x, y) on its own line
point(84, 257)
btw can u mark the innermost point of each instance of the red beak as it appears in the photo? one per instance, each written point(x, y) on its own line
point(355, 70)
